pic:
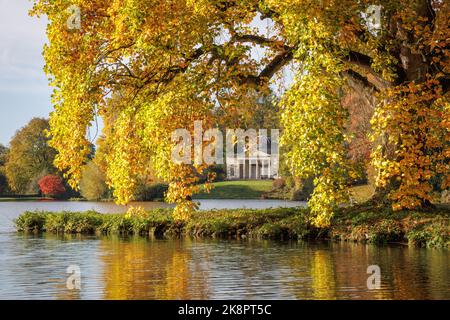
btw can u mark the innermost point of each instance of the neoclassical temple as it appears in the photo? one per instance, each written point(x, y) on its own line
point(260, 165)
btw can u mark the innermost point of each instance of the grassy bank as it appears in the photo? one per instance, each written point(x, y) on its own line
point(245, 189)
point(429, 229)
point(419, 228)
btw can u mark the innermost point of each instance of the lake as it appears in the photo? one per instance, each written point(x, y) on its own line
point(112, 267)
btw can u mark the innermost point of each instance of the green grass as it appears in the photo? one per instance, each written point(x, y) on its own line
point(245, 189)
point(268, 223)
point(424, 228)
point(379, 226)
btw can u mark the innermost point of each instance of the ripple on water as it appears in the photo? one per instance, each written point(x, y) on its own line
point(34, 267)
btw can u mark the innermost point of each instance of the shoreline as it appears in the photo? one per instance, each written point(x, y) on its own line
point(377, 226)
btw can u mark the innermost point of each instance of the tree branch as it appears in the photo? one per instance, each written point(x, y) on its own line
point(260, 40)
point(357, 77)
point(364, 62)
point(269, 71)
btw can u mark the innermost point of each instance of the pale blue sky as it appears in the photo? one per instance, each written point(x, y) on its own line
point(24, 90)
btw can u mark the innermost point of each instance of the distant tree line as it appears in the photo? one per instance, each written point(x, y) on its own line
point(27, 161)
point(27, 169)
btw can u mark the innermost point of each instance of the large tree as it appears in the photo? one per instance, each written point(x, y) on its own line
point(176, 61)
point(92, 183)
point(29, 157)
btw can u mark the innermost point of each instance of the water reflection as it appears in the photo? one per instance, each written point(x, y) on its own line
point(139, 268)
point(135, 268)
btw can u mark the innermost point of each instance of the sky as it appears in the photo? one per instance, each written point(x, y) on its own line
point(24, 90)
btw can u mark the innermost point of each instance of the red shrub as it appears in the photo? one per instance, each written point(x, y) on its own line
point(51, 186)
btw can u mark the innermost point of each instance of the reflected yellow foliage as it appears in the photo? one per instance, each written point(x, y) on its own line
point(323, 275)
point(150, 269)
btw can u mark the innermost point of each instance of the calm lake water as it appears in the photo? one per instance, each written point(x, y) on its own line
point(34, 267)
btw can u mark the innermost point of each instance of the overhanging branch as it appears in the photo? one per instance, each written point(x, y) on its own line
point(269, 71)
point(275, 44)
point(364, 63)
